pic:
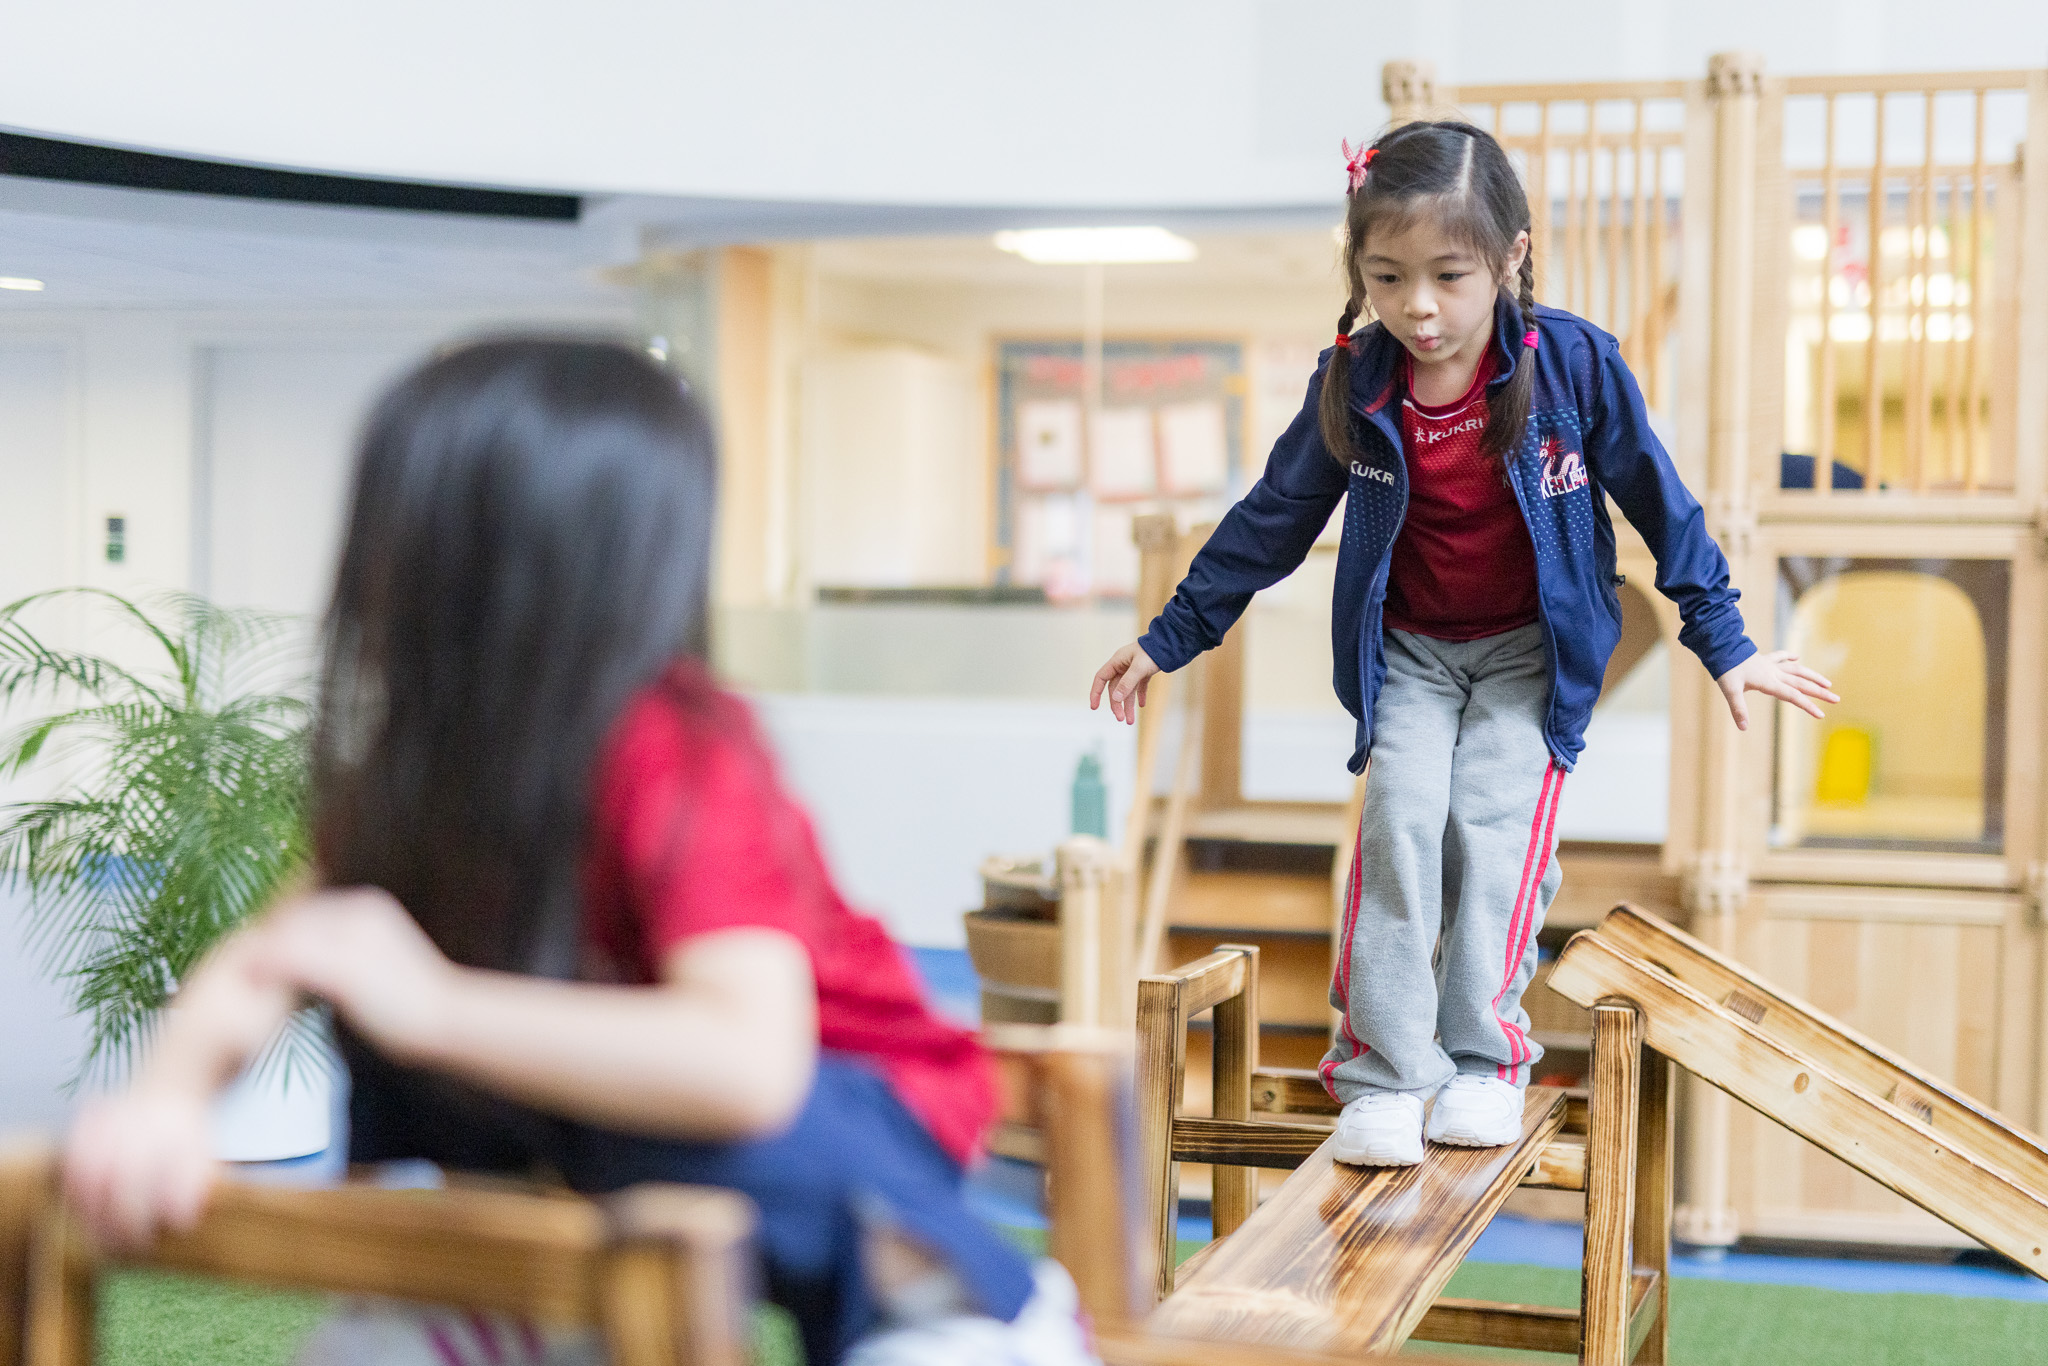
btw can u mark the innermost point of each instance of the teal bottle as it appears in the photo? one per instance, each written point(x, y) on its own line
point(1091, 799)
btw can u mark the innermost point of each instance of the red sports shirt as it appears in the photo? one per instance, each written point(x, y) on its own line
point(1463, 566)
point(691, 832)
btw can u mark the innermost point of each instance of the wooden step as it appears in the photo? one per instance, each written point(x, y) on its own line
point(1352, 1258)
point(1287, 903)
point(1270, 823)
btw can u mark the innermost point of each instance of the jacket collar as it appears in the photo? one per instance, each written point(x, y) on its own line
point(1379, 356)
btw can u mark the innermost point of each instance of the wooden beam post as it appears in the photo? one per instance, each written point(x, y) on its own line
point(1162, 1065)
point(1611, 1154)
point(1653, 1199)
point(1096, 945)
point(1235, 1191)
point(1409, 89)
point(1717, 882)
point(28, 1185)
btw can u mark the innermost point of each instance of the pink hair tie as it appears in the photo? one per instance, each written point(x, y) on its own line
point(1355, 163)
point(1530, 339)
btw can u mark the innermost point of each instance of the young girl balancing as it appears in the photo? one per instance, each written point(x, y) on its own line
point(567, 917)
point(1475, 438)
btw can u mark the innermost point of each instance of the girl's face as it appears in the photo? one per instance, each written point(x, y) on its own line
point(1433, 293)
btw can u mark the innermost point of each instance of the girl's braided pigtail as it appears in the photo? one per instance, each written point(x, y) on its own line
point(1335, 412)
point(1508, 413)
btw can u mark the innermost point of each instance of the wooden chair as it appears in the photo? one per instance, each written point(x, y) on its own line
point(663, 1272)
point(1352, 1259)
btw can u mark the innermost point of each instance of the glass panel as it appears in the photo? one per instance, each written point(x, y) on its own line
point(1914, 756)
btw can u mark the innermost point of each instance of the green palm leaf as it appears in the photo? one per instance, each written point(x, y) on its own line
point(183, 810)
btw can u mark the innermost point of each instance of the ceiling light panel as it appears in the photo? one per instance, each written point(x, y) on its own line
point(1096, 246)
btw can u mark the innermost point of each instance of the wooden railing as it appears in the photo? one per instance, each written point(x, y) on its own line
point(1605, 168)
point(1900, 280)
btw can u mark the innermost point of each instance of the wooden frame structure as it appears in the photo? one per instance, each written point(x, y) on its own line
point(1961, 1162)
point(1354, 1260)
point(1856, 267)
point(663, 1272)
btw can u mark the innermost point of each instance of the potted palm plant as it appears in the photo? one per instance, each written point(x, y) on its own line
point(177, 806)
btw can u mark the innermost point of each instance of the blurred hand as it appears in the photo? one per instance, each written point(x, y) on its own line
point(1780, 675)
point(138, 1162)
point(1126, 676)
point(357, 949)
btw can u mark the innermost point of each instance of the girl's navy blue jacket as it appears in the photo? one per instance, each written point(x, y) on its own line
point(1588, 432)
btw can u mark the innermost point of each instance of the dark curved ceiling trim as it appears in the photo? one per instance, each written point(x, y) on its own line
point(90, 164)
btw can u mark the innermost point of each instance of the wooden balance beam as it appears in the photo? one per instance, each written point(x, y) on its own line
point(1909, 1132)
point(1354, 1260)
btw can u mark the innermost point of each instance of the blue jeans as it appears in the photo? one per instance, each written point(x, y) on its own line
point(854, 1153)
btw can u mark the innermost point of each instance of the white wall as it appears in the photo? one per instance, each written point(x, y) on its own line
point(1064, 102)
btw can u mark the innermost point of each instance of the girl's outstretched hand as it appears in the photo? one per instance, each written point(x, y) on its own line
point(1126, 675)
point(1778, 674)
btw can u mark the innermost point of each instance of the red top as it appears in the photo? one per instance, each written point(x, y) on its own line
point(691, 832)
point(1463, 565)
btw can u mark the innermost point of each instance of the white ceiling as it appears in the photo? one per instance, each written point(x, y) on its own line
point(1101, 103)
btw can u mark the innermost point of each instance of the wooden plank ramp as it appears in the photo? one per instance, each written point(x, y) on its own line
point(1985, 1134)
point(1726, 1042)
point(1352, 1258)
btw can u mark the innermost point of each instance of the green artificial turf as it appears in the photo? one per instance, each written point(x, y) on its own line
point(152, 1319)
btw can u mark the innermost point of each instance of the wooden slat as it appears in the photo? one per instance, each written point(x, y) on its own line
point(484, 1250)
point(1291, 1091)
point(1909, 82)
point(1560, 1167)
point(58, 1329)
point(1162, 1067)
point(1611, 1184)
point(676, 1283)
point(1260, 1143)
point(1651, 1292)
point(1297, 903)
point(1204, 982)
point(1988, 1137)
point(1484, 1323)
point(1575, 92)
point(1924, 1165)
point(1142, 1347)
point(1830, 386)
point(1654, 1157)
point(1873, 369)
point(1234, 1190)
point(28, 1183)
point(1283, 1147)
point(1352, 1258)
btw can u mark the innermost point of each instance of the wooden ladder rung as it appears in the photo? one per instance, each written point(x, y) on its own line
point(1282, 1146)
point(1531, 1327)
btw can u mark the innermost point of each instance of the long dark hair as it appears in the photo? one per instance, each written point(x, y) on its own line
point(1460, 177)
point(528, 546)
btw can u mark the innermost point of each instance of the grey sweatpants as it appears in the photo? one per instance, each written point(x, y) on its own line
point(1453, 870)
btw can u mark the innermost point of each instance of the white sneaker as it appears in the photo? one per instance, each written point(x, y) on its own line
point(1380, 1129)
point(1476, 1112)
point(1048, 1331)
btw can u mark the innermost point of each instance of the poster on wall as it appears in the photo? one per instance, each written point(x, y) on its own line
point(1049, 443)
point(1123, 453)
point(1194, 447)
point(1168, 435)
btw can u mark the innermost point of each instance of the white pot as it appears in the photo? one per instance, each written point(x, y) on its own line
point(265, 1116)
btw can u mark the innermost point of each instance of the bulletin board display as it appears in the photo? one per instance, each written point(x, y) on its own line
point(1168, 436)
